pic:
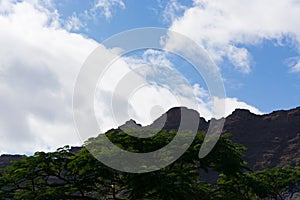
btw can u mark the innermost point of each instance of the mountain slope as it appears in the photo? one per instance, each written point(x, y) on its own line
point(272, 139)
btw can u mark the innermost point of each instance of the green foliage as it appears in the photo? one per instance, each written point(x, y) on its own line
point(276, 183)
point(65, 175)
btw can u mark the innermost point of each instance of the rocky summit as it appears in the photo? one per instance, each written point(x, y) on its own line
point(271, 139)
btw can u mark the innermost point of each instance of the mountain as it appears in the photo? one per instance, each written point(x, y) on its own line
point(272, 139)
point(6, 159)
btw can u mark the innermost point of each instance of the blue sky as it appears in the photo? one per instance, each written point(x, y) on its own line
point(45, 42)
point(269, 86)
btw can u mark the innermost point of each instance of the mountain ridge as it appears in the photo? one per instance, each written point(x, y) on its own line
point(272, 139)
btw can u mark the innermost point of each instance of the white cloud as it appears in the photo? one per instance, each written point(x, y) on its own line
point(240, 58)
point(214, 107)
point(293, 63)
point(222, 27)
point(39, 62)
point(230, 105)
point(160, 86)
point(73, 23)
point(79, 19)
point(5, 6)
point(172, 10)
point(163, 88)
point(107, 6)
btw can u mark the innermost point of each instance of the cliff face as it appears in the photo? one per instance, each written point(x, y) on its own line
point(272, 139)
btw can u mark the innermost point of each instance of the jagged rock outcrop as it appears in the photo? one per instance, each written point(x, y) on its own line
point(272, 139)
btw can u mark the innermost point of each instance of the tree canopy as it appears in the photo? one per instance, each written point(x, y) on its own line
point(222, 174)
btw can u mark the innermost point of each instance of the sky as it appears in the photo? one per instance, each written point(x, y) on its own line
point(44, 43)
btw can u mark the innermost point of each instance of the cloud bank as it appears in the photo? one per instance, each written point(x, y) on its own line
point(39, 60)
point(163, 89)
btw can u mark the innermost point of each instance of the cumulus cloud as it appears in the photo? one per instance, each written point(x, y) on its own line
point(230, 105)
point(221, 28)
point(162, 88)
point(39, 62)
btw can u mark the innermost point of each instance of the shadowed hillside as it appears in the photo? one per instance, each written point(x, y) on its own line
point(272, 139)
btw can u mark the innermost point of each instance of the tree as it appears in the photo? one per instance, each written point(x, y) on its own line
point(66, 175)
point(55, 175)
point(277, 183)
point(181, 179)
